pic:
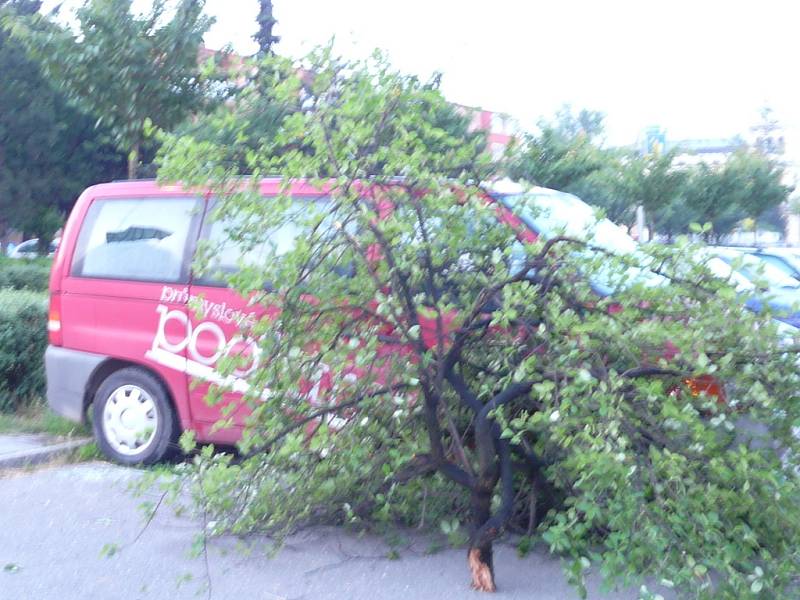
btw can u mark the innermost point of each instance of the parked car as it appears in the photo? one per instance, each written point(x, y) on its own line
point(760, 283)
point(30, 248)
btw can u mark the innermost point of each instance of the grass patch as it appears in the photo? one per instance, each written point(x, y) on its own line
point(88, 452)
point(37, 418)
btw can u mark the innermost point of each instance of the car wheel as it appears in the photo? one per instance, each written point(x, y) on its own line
point(133, 419)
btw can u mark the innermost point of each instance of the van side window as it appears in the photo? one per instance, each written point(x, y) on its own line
point(140, 239)
point(228, 254)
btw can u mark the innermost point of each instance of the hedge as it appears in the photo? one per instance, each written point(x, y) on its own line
point(25, 274)
point(23, 340)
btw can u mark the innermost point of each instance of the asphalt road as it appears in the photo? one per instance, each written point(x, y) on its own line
point(55, 521)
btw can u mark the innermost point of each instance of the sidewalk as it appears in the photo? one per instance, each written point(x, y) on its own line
point(23, 449)
point(55, 522)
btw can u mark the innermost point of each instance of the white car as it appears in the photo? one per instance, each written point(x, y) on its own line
point(30, 248)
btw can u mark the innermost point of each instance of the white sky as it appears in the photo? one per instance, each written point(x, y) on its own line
point(700, 68)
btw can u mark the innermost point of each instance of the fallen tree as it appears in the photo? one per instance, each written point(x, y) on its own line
point(431, 360)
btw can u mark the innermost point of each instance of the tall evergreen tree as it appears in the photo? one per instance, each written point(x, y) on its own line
point(266, 21)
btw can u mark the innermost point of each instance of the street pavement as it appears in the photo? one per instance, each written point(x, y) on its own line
point(55, 521)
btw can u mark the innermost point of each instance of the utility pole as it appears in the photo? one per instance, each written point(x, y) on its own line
point(641, 235)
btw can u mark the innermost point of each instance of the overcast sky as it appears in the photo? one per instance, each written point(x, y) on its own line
point(700, 68)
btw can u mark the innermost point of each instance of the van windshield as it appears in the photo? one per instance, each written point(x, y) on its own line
point(550, 213)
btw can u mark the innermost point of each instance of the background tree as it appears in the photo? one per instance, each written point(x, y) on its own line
point(562, 153)
point(566, 155)
point(762, 188)
point(126, 68)
point(769, 141)
point(586, 123)
point(49, 150)
point(712, 193)
point(413, 362)
point(747, 185)
point(654, 182)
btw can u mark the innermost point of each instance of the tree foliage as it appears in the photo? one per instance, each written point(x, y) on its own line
point(252, 118)
point(125, 68)
point(49, 150)
point(562, 153)
point(747, 185)
point(424, 356)
point(654, 182)
point(566, 155)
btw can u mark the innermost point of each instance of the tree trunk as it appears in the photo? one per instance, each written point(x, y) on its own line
point(133, 161)
point(479, 555)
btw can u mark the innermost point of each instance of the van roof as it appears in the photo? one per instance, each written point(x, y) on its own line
point(148, 187)
point(269, 185)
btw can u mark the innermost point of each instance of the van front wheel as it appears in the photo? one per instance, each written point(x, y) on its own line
point(133, 419)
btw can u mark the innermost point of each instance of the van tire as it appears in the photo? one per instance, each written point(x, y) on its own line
point(150, 418)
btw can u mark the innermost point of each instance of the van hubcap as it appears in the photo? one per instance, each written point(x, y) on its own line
point(130, 419)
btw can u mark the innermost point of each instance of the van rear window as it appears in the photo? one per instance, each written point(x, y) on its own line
point(142, 239)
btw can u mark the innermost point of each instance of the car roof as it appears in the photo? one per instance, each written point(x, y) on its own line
point(780, 251)
point(727, 251)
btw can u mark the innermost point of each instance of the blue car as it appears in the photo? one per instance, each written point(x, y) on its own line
point(761, 283)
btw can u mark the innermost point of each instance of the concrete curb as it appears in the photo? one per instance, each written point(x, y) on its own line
point(35, 456)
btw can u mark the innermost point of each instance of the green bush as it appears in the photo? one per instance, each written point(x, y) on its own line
point(25, 274)
point(23, 339)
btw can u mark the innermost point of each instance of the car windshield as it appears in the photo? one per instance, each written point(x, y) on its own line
point(551, 213)
point(783, 256)
point(756, 269)
point(28, 246)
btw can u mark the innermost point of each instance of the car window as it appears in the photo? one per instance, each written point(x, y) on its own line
point(786, 256)
point(142, 239)
point(756, 269)
point(779, 263)
point(552, 213)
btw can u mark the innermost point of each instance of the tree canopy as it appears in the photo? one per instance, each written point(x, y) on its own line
point(266, 21)
point(566, 154)
point(49, 150)
point(747, 185)
point(563, 153)
point(123, 68)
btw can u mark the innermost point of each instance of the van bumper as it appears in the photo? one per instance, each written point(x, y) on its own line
point(68, 374)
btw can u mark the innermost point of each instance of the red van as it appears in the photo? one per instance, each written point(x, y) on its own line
point(130, 326)
point(123, 338)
